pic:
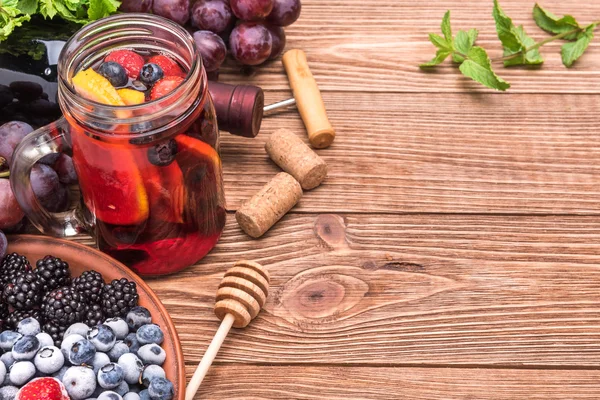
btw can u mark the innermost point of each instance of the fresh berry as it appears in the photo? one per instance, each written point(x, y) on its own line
point(109, 395)
point(102, 337)
point(151, 73)
point(77, 328)
point(132, 367)
point(68, 342)
point(49, 360)
point(13, 265)
point(114, 72)
point(25, 348)
point(8, 339)
point(8, 392)
point(43, 389)
point(21, 372)
point(8, 360)
point(61, 373)
point(52, 272)
point(165, 86)
point(132, 342)
point(45, 339)
point(93, 315)
point(131, 61)
point(161, 389)
point(80, 382)
point(152, 354)
point(162, 154)
point(55, 331)
point(99, 361)
point(13, 319)
point(29, 326)
point(24, 293)
point(168, 65)
point(137, 317)
point(90, 284)
point(144, 395)
point(150, 333)
point(64, 306)
point(3, 372)
point(111, 375)
point(118, 350)
point(81, 352)
point(152, 372)
point(119, 297)
point(4, 312)
point(119, 327)
point(131, 396)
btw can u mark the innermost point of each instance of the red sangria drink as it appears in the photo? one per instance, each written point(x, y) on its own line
point(141, 128)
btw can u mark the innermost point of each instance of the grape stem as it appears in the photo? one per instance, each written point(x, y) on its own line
point(4, 174)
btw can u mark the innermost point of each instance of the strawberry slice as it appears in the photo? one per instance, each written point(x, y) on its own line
point(168, 65)
point(131, 61)
point(43, 389)
point(165, 86)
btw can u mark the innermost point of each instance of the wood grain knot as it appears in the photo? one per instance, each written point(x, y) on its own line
point(331, 230)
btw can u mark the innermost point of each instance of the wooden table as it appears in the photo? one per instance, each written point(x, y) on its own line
point(454, 250)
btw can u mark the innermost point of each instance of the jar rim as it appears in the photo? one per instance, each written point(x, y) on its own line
point(106, 34)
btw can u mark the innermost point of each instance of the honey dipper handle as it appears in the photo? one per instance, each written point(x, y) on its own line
point(308, 99)
point(209, 357)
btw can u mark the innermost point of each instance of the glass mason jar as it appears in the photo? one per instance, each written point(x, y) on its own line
point(150, 174)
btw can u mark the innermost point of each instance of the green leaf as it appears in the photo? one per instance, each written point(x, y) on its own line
point(571, 51)
point(505, 29)
point(28, 6)
point(551, 23)
point(532, 57)
point(440, 56)
point(479, 68)
point(47, 8)
point(439, 42)
point(446, 28)
point(102, 8)
point(465, 40)
point(473, 34)
point(65, 13)
point(8, 25)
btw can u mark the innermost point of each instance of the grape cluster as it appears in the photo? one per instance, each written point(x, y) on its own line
point(27, 101)
point(252, 30)
point(50, 177)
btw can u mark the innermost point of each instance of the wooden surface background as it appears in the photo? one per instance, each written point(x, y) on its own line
point(453, 252)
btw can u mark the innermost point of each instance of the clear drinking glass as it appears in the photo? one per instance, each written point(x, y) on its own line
point(157, 219)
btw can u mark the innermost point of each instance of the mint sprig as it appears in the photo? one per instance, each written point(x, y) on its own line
point(519, 47)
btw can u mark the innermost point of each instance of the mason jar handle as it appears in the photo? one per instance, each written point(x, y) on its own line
point(49, 139)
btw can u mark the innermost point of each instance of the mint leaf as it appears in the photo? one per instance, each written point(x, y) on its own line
point(551, 23)
point(65, 13)
point(28, 6)
point(479, 68)
point(439, 41)
point(514, 40)
point(439, 58)
point(47, 8)
point(446, 28)
point(102, 8)
point(571, 51)
point(10, 17)
point(463, 43)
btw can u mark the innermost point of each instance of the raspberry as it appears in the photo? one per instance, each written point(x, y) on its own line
point(165, 86)
point(168, 65)
point(131, 61)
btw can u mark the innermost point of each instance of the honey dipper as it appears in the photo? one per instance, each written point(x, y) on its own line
point(241, 294)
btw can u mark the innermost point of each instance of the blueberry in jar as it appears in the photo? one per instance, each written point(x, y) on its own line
point(163, 154)
point(114, 72)
point(151, 73)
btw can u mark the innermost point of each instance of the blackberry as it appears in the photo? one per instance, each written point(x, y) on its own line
point(13, 265)
point(55, 331)
point(24, 292)
point(17, 316)
point(93, 315)
point(119, 297)
point(63, 306)
point(53, 273)
point(90, 285)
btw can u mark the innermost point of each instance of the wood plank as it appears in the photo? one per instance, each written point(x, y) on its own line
point(354, 45)
point(406, 290)
point(264, 382)
point(447, 153)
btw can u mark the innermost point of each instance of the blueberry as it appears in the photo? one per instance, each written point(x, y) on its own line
point(8, 339)
point(161, 389)
point(152, 372)
point(162, 154)
point(149, 333)
point(25, 348)
point(119, 327)
point(99, 361)
point(8, 392)
point(151, 73)
point(7, 359)
point(2, 372)
point(118, 350)
point(61, 373)
point(110, 375)
point(131, 396)
point(49, 360)
point(82, 352)
point(152, 354)
point(45, 339)
point(67, 342)
point(80, 382)
point(133, 343)
point(29, 326)
point(144, 395)
point(114, 72)
point(21, 372)
point(132, 367)
point(102, 337)
point(137, 317)
point(109, 395)
point(122, 389)
point(77, 328)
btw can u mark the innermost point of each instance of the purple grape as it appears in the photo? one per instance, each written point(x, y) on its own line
point(3, 245)
point(278, 37)
point(136, 6)
point(49, 159)
point(11, 134)
point(48, 189)
point(212, 49)
point(212, 15)
point(250, 43)
point(65, 169)
point(175, 10)
point(285, 12)
point(251, 10)
point(10, 211)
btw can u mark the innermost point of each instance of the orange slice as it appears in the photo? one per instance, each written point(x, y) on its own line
point(93, 86)
point(131, 97)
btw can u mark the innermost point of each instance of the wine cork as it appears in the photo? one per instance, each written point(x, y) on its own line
point(267, 206)
point(296, 158)
point(308, 99)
